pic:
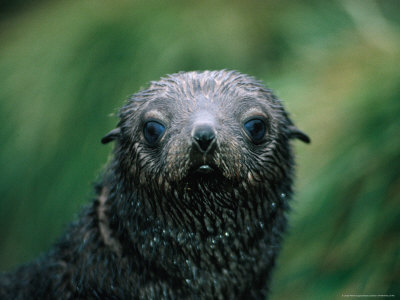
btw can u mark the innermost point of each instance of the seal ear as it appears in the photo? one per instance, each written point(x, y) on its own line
point(295, 133)
point(111, 136)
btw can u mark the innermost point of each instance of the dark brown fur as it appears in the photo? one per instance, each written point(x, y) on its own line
point(196, 212)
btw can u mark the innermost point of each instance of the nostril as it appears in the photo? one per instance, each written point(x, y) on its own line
point(203, 135)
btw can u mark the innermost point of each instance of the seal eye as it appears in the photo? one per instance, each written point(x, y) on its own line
point(152, 131)
point(256, 129)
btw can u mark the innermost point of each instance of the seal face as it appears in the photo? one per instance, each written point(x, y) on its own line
point(205, 161)
point(211, 121)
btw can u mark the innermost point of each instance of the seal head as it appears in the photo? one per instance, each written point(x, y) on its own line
point(202, 173)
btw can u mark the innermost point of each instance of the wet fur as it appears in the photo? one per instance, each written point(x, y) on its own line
point(159, 230)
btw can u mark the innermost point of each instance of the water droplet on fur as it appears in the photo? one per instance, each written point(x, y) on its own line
point(179, 237)
point(187, 280)
point(208, 225)
point(227, 233)
point(273, 205)
point(194, 272)
point(261, 225)
point(283, 195)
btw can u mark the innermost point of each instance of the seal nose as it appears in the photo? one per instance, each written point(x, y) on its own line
point(204, 137)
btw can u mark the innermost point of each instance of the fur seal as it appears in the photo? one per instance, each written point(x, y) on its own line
point(192, 205)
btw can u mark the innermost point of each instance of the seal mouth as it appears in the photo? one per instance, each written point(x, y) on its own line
point(205, 169)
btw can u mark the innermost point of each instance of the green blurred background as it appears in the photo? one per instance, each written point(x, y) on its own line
point(65, 66)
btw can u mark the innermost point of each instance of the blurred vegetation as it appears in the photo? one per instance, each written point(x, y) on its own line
point(65, 66)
